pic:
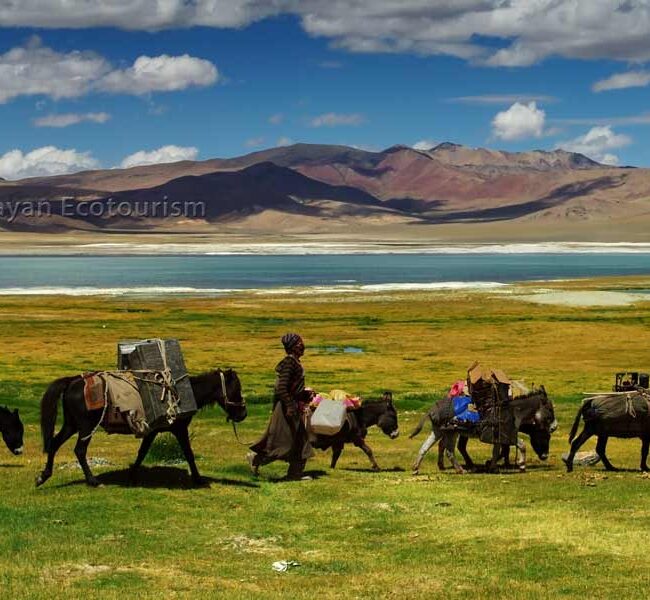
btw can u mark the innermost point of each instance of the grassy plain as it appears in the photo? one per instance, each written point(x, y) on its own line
point(356, 534)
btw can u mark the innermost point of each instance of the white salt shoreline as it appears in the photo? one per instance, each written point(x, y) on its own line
point(515, 292)
point(332, 248)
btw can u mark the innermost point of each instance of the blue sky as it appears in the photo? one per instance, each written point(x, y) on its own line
point(318, 78)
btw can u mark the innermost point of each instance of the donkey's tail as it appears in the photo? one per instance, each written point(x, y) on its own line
point(419, 426)
point(49, 404)
point(576, 423)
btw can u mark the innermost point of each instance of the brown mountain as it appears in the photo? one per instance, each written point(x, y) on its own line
point(313, 183)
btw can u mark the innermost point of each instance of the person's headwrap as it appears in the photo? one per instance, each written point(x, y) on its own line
point(289, 340)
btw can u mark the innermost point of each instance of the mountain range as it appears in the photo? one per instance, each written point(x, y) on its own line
point(312, 187)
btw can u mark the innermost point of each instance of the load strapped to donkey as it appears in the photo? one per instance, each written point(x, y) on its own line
point(486, 409)
point(150, 390)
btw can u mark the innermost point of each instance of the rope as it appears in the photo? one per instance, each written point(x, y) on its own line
point(101, 419)
point(247, 444)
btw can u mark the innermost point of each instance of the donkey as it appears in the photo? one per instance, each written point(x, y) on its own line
point(627, 427)
point(222, 387)
point(12, 430)
point(374, 412)
point(533, 413)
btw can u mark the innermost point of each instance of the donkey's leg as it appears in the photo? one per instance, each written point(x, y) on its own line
point(645, 446)
point(449, 441)
point(80, 450)
point(424, 448)
point(361, 443)
point(505, 455)
point(462, 448)
point(521, 458)
point(337, 448)
point(601, 447)
point(142, 453)
point(441, 456)
point(67, 431)
point(585, 434)
point(182, 434)
point(492, 462)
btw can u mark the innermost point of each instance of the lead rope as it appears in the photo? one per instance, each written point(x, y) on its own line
point(226, 402)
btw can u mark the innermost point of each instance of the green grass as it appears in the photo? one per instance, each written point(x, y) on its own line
point(356, 534)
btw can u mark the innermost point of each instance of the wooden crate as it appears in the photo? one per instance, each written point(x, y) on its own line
point(143, 355)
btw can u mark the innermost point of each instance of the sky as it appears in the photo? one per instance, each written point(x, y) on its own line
point(117, 83)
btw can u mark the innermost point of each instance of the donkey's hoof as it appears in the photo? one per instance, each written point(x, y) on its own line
point(93, 482)
point(41, 479)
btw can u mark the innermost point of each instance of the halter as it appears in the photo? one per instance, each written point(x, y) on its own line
point(228, 402)
point(224, 391)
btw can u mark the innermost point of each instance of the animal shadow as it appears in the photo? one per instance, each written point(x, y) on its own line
point(371, 470)
point(160, 477)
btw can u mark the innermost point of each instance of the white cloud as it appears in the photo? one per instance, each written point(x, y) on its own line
point(276, 119)
point(336, 119)
point(641, 119)
point(424, 145)
point(34, 69)
point(284, 141)
point(597, 144)
point(254, 142)
point(45, 161)
point(160, 74)
point(37, 70)
point(622, 81)
point(530, 30)
point(133, 14)
point(165, 154)
point(519, 122)
point(488, 99)
point(67, 119)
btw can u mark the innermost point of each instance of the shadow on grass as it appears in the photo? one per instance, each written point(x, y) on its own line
point(11, 466)
point(314, 474)
point(371, 470)
point(160, 477)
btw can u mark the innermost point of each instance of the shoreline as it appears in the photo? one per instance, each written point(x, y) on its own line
point(548, 292)
point(324, 248)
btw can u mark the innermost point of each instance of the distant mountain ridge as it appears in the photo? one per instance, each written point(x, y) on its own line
point(317, 184)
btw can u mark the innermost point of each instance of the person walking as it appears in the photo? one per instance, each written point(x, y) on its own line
point(286, 436)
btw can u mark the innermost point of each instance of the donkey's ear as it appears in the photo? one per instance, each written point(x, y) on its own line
point(16, 412)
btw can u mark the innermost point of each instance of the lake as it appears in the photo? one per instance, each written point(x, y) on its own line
point(187, 274)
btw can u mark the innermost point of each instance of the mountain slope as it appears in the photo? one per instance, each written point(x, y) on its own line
point(448, 183)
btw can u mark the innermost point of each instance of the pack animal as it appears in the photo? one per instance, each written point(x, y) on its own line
point(533, 414)
point(12, 430)
point(215, 387)
point(373, 412)
point(635, 425)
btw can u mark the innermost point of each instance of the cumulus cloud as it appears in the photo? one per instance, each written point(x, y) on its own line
point(622, 81)
point(45, 161)
point(165, 154)
point(424, 145)
point(597, 144)
point(284, 141)
point(276, 119)
point(67, 119)
point(332, 119)
point(160, 74)
point(529, 30)
point(519, 122)
point(34, 69)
